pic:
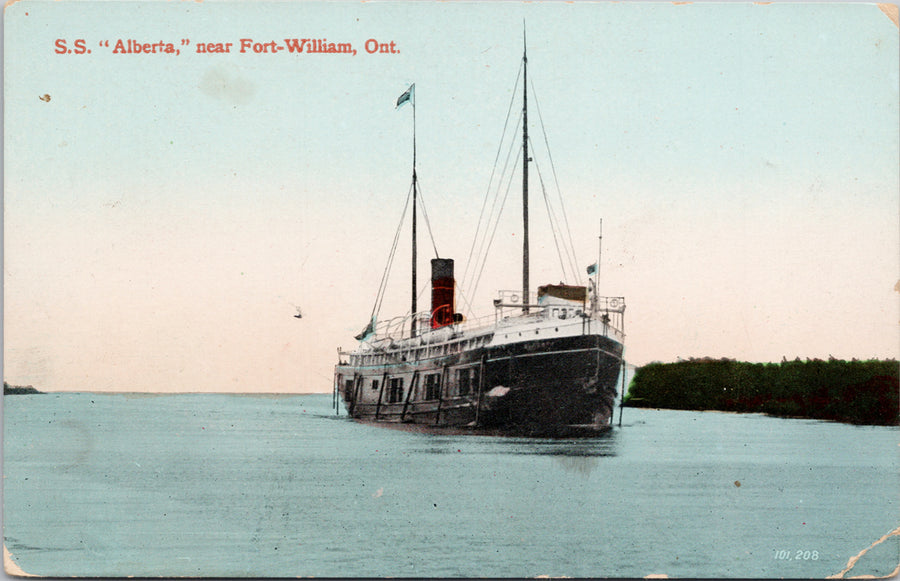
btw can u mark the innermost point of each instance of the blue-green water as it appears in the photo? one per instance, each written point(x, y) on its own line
point(219, 485)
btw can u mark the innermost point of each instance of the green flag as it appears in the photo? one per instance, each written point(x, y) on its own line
point(407, 96)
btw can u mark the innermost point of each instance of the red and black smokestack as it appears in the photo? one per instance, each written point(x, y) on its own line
point(442, 291)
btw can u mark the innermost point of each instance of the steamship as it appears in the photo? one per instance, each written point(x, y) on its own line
point(543, 364)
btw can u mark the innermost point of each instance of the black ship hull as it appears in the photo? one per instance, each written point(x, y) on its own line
point(554, 387)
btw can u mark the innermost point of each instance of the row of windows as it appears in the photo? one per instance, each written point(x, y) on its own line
point(466, 382)
point(419, 352)
point(563, 313)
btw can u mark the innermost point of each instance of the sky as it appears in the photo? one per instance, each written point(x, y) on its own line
point(165, 215)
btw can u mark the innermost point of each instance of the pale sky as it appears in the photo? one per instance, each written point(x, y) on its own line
point(165, 214)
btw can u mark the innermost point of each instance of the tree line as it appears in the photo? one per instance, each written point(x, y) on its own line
point(18, 389)
point(858, 392)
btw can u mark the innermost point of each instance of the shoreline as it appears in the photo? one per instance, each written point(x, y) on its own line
point(854, 392)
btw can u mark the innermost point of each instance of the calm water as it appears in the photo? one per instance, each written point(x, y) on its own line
point(218, 485)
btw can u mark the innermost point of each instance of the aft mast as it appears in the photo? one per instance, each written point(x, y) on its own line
point(525, 160)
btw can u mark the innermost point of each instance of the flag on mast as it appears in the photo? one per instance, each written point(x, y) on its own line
point(368, 331)
point(407, 96)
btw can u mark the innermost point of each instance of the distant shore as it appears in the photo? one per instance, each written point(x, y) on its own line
point(856, 392)
point(18, 389)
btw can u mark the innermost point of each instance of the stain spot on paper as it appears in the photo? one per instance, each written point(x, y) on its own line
point(225, 83)
point(45, 98)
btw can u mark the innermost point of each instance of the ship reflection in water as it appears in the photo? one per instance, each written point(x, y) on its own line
point(595, 447)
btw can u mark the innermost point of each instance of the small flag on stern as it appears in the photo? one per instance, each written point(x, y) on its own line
point(592, 269)
point(407, 96)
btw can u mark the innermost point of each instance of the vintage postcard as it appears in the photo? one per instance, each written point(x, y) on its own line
point(451, 289)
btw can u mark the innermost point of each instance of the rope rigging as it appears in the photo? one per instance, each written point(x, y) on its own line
point(558, 189)
point(497, 192)
point(488, 222)
point(493, 218)
point(496, 224)
point(382, 287)
point(427, 222)
point(493, 171)
point(379, 297)
point(553, 221)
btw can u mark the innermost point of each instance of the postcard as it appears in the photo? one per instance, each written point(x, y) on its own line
point(450, 289)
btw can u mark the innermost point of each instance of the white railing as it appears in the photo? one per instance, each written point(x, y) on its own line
point(514, 298)
point(611, 304)
point(508, 309)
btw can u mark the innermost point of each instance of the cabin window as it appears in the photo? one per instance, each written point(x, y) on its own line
point(463, 381)
point(348, 385)
point(433, 386)
point(375, 384)
point(395, 394)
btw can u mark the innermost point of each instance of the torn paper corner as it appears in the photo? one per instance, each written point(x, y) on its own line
point(8, 3)
point(854, 559)
point(891, 11)
point(10, 566)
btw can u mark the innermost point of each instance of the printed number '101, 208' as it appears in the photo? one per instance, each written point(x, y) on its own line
point(797, 555)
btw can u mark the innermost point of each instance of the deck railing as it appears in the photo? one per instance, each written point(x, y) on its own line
point(608, 310)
